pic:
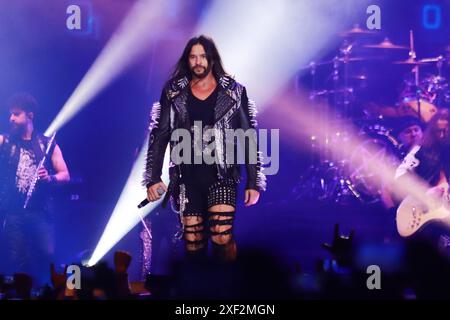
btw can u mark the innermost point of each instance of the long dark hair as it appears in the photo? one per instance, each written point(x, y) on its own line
point(435, 151)
point(430, 139)
point(212, 55)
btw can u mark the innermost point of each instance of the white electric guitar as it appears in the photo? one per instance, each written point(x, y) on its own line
point(413, 214)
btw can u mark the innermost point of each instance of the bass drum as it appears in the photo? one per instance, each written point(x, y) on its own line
point(374, 149)
point(409, 106)
point(413, 98)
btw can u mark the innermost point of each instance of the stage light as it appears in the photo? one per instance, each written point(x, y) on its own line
point(131, 39)
point(265, 45)
point(126, 215)
point(264, 49)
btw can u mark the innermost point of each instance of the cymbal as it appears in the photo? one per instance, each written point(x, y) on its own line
point(340, 60)
point(356, 31)
point(385, 44)
point(410, 61)
point(354, 59)
point(348, 90)
point(434, 59)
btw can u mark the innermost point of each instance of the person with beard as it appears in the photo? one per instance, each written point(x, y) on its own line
point(204, 195)
point(431, 162)
point(27, 233)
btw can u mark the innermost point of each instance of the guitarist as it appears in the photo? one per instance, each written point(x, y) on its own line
point(431, 161)
point(409, 133)
point(27, 233)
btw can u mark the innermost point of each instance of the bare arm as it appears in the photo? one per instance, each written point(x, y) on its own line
point(2, 139)
point(60, 166)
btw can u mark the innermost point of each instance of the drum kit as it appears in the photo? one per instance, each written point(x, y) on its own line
point(369, 85)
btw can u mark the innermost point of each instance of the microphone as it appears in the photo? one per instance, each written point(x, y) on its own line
point(146, 201)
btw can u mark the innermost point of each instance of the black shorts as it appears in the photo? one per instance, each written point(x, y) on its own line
point(201, 196)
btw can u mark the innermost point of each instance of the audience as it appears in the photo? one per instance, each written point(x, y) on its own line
point(424, 274)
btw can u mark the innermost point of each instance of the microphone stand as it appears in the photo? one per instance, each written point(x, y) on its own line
point(415, 70)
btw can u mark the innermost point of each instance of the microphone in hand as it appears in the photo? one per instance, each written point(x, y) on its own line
point(145, 202)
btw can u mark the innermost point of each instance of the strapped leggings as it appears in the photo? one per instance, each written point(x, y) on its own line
point(201, 223)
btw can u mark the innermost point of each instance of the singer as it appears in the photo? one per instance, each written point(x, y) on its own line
point(203, 194)
point(27, 234)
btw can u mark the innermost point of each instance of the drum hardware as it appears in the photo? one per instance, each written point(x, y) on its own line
point(415, 70)
point(410, 61)
point(327, 181)
point(337, 80)
point(437, 86)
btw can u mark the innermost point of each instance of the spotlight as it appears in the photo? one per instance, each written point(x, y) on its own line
point(132, 38)
point(126, 215)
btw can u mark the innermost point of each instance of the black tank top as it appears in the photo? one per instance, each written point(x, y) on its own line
point(18, 170)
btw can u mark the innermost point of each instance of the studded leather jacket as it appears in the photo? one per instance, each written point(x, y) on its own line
point(233, 110)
